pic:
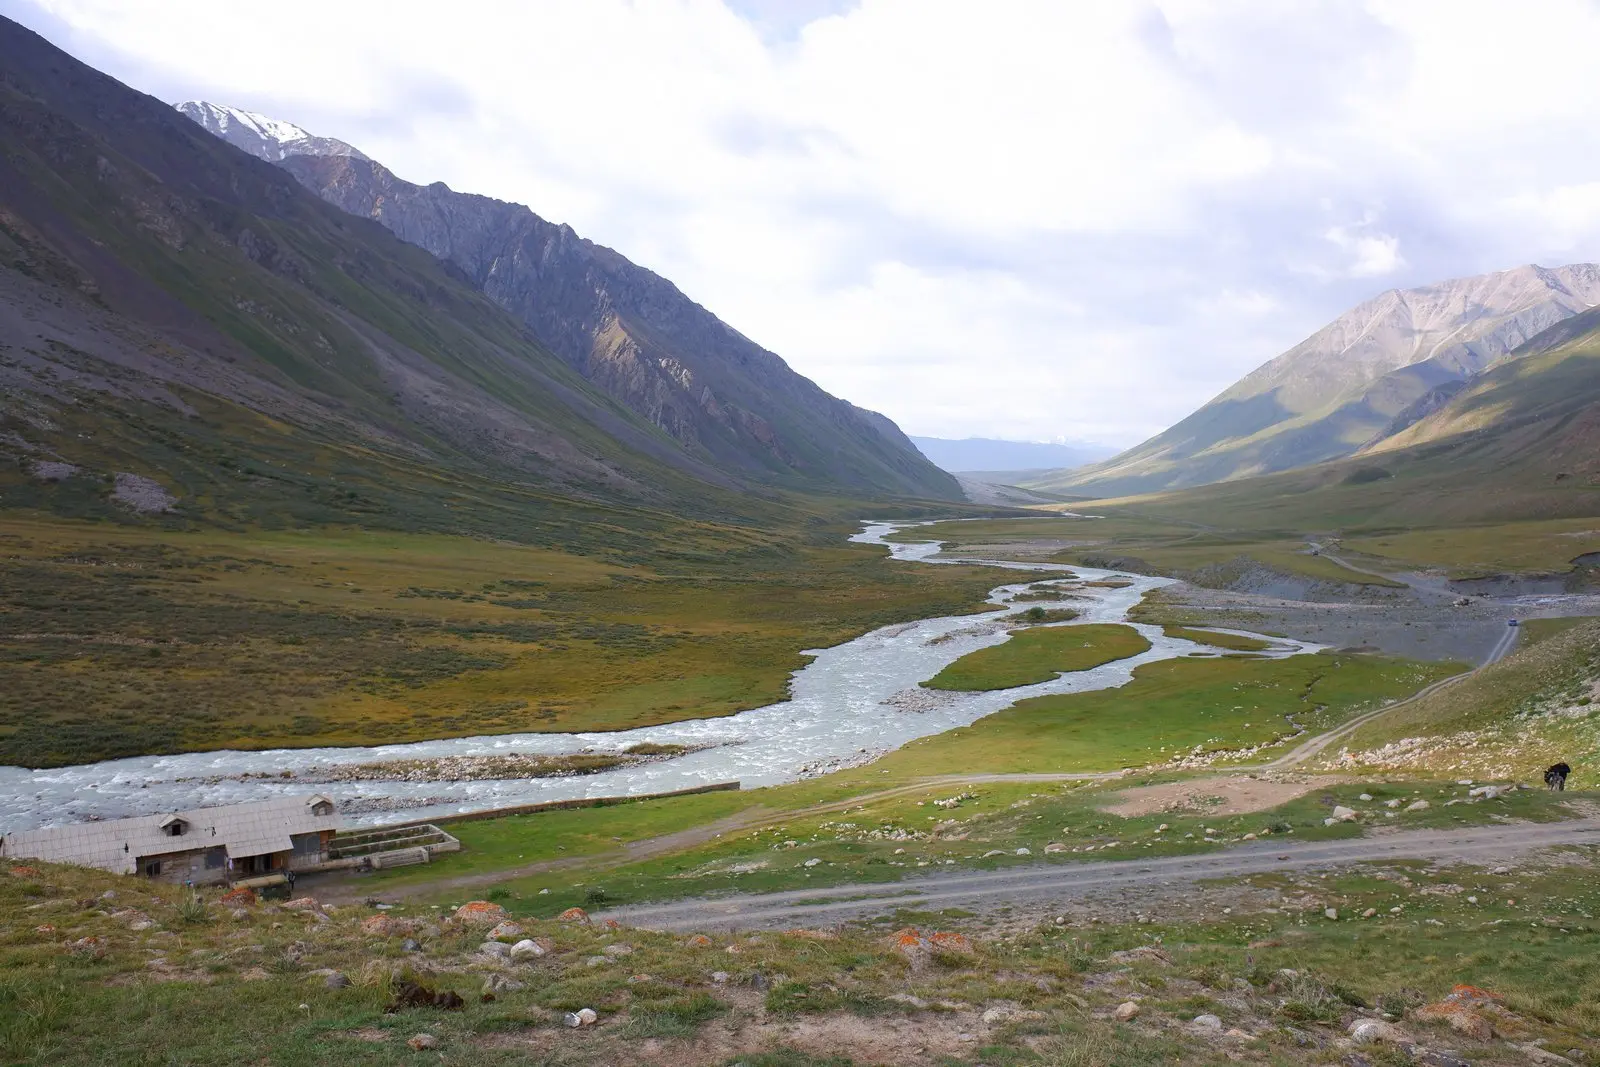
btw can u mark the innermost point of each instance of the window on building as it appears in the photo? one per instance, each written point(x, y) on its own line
point(322, 807)
point(175, 827)
point(152, 868)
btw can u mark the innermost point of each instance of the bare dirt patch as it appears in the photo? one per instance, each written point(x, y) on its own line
point(1234, 794)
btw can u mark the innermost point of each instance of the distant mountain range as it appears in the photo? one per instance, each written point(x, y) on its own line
point(724, 399)
point(1376, 369)
point(988, 455)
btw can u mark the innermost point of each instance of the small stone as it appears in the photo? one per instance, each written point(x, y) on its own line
point(597, 961)
point(1369, 913)
point(336, 981)
point(1024, 852)
point(411, 944)
point(1365, 798)
point(301, 904)
point(496, 984)
point(1055, 846)
point(497, 950)
point(1331, 913)
point(1126, 1011)
point(1344, 814)
point(698, 941)
point(422, 1042)
point(1209, 1023)
point(506, 931)
point(1374, 1031)
point(1392, 803)
point(812, 862)
point(719, 977)
point(526, 950)
point(1472, 900)
point(1418, 805)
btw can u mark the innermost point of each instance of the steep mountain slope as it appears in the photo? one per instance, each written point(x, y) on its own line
point(1381, 365)
point(1519, 441)
point(724, 398)
point(177, 312)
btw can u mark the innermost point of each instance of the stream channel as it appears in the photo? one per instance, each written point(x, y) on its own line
point(849, 705)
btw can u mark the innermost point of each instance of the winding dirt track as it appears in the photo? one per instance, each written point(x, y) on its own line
point(1040, 884)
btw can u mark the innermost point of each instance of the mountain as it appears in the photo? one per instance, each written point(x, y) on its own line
point(1375, 369)
point(723, 398)
point(1519, 441)
point(187, 332)
point(262, 136)
point(984, 454)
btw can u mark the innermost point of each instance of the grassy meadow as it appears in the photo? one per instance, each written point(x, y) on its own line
point(1038, 655)
point(121, 639)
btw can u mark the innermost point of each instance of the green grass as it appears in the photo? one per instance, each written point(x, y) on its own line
point(1218, 640)
point(1509, 720)
point(1038, 655)
point(1169, 709)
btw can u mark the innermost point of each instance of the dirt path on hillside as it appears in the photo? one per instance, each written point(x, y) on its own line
point(1036, 886)
point(1233, 794)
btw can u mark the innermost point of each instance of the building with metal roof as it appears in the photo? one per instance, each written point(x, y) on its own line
point(200, 846)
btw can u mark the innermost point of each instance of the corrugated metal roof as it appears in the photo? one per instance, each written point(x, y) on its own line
point(117, 844)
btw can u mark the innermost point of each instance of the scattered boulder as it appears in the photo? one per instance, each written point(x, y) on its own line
point(1331, 913)
point(480, 913)
point(698, 941)
point(1206, 1024)
point(1003, 1013)
point(1465, 1009)
point(1126, 1011)
point(411, 944)
point(386, 926)
point(242, 897)
point(500, 983)
point(1418, 805)
point(336, 980)
point(1149, 953)
point(574, 915)
point(1024, 851)
point(495, 950)
point(812, 862)
point(581, 1017)
point(506, 931)
point(527, 950)
point(91, 947)
point(1376, 1031)
point(1344, 814)
point(951, 942)
point(422, 1042)
point(22, 870)
point(1055, 846)
point(618, 950)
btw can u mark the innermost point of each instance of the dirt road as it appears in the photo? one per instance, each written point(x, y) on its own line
point(1020, 886)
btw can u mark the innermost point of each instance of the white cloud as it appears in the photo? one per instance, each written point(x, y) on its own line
point(1018, 218)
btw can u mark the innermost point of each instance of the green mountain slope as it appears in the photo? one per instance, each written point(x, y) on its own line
point(1520, 441)
point(1379, 364)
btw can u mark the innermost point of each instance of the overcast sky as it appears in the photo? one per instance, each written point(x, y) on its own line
point(1020, 220)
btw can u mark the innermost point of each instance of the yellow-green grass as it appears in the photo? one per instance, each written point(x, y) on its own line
point(122, 640)
point(1169, 708)
point(1528, 547)
point(1038, 655)
point(1235, 642)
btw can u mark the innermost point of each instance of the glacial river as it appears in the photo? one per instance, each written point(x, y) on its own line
point(850, 704)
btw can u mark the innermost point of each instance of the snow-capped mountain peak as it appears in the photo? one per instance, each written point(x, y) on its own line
point(260, 135)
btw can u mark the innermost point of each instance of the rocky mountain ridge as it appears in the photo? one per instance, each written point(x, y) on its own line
point(635, 335)
point(1374, 370)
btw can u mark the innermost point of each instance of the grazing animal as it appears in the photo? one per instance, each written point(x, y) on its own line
point(1556, 776)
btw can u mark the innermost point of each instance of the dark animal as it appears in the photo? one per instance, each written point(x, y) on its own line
point(1556, 776)
point(409, 994)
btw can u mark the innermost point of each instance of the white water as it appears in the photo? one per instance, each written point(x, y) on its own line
point(842, 712)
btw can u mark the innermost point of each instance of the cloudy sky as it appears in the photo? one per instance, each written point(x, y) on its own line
point(1022, 220)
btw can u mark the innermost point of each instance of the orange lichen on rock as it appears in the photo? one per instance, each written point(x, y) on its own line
point(951, 942)
point(698, 941)
point(241, 897)
point(574, 915)
point(480, 913)
point(24, 871)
